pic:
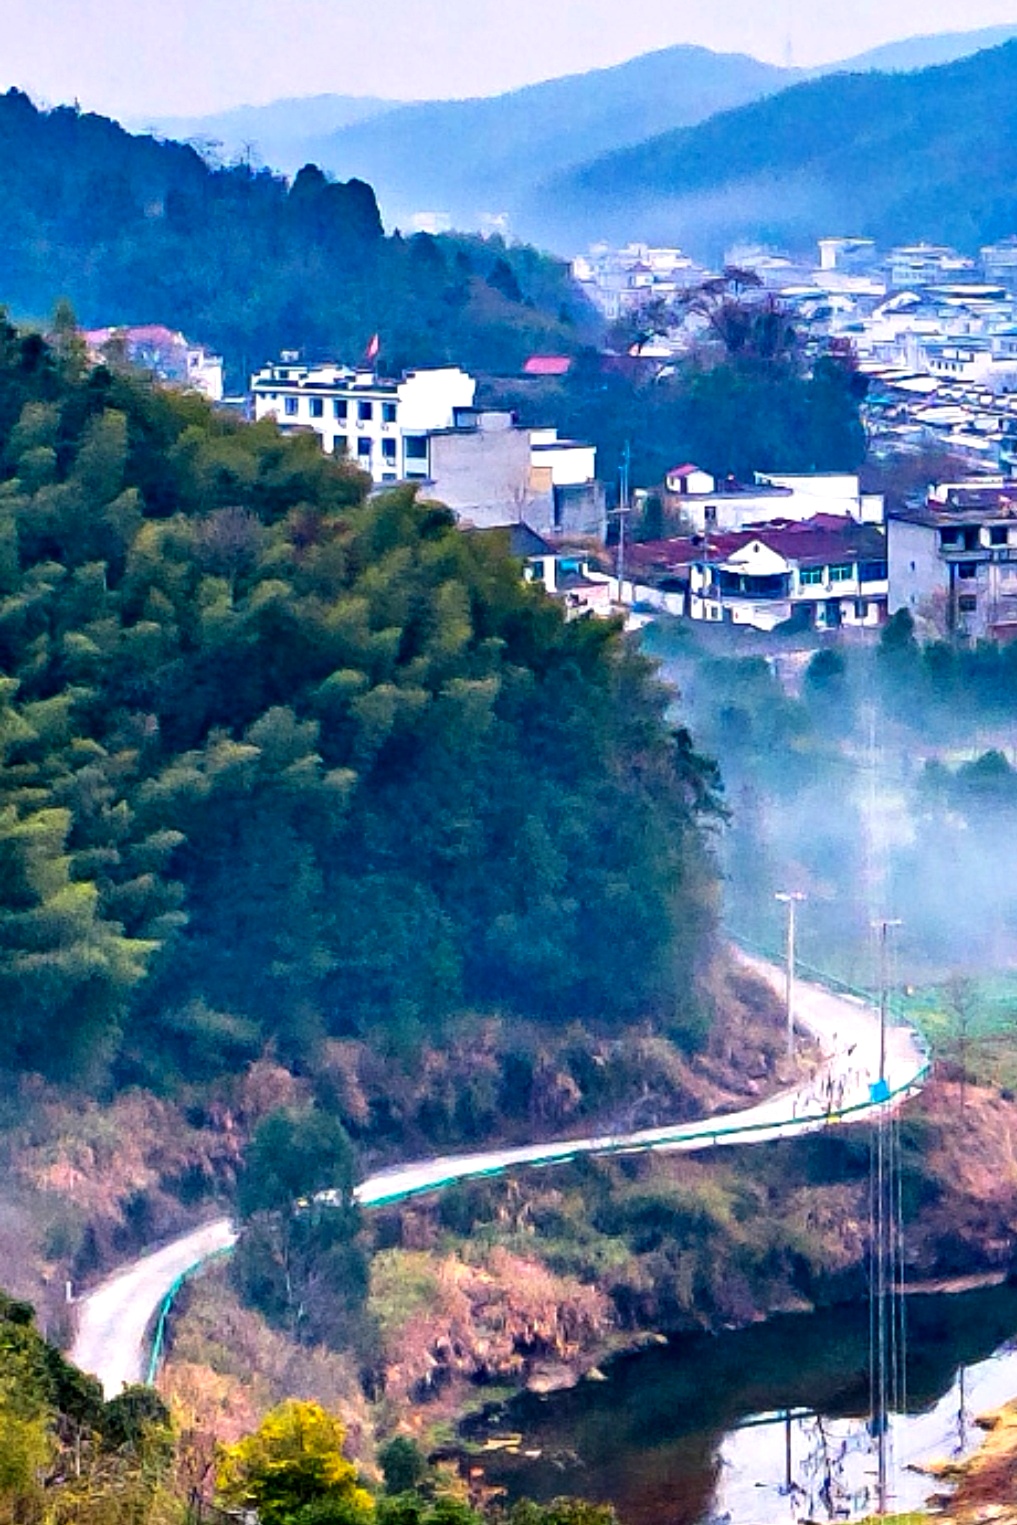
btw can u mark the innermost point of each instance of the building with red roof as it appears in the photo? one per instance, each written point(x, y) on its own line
point(547, 365)
point(821, 573)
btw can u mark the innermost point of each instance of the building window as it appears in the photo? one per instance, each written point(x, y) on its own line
point(340, 407)
point(873, 571)
point(365, 412)
point(364, 448)
point(810, 577)
point(998, 534)
point(317, 407)
point(949, 537)
point(416, 447)
point(388, 451)
point(967, 570)
point(340, 445)
point(967, 603)
point(388, 412)
point(842, 573)
point(292, 407)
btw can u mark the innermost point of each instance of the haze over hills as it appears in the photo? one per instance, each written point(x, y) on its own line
point(466, 157)
point(897, 157)
point(449, 153)
point(274, 133)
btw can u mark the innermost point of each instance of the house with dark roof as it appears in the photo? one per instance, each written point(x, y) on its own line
point(822, 573)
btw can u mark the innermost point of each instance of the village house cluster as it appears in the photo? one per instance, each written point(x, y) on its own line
point(935, 331)
point(807, 552)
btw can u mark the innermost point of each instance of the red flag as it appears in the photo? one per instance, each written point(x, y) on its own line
point(374, 347)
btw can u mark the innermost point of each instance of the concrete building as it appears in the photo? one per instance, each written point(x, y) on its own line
point(953, 559)
point(703, 504)
point(481, 469)
point(424, 429)
point(851, 254)
point(163, 351)
point(382, 426)
point(825, 573)
point(565, 575)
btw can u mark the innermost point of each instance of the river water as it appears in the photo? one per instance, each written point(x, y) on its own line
point(697, 1430)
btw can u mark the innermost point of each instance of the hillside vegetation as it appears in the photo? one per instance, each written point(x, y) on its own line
point(133, 230)
point(282, 764)
point(895, 157)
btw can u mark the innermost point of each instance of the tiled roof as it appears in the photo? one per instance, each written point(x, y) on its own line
point(821, 539)
point(547, 365)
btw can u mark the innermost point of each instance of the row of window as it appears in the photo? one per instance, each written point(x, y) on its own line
point(416, 448)
point(968, 539)
point(341, 409)
point(868, 571)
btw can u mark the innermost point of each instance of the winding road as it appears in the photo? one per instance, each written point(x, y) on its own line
point(115, 1318)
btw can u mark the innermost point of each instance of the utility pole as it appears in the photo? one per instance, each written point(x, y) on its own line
point(790, 898)
point(883, 928)
point(624, 508)
point(884, 1245)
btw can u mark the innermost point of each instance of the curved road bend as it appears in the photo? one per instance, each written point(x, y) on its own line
point(114, 1319)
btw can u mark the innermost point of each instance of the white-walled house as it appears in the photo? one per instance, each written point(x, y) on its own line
point(703, 504)
point(382, 426)
point(827, 572)
point(163, 351)
point(424, 429)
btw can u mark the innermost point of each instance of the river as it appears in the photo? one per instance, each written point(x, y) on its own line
point(670, 1437)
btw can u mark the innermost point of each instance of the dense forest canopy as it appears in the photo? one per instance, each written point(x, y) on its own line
point(134, 230)
point(280, 761)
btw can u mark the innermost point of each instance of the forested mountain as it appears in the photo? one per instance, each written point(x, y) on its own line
point(133, 230)
point(276, 134)
point(467, 157)
point(281, 764)
point(896, 157)
point(924, 52)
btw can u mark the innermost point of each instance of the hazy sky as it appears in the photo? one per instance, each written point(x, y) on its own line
point(132, 57)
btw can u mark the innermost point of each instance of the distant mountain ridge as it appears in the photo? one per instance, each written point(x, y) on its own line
point(468, 156)
point(931, 154)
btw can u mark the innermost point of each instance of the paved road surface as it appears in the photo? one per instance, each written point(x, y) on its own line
point(114, 1320)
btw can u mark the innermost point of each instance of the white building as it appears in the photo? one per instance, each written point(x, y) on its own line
point(704, 504)
point(163, 351)
point(424, 429)
point(382, 426)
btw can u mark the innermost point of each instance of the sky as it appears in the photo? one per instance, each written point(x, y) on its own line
point(132, 58)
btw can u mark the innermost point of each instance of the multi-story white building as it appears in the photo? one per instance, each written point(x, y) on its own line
point(384, 427)
point(424, 429)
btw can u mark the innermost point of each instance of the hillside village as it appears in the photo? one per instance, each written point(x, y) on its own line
point(932, 332)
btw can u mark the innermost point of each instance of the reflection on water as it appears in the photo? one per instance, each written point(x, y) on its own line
point(663, 1438)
